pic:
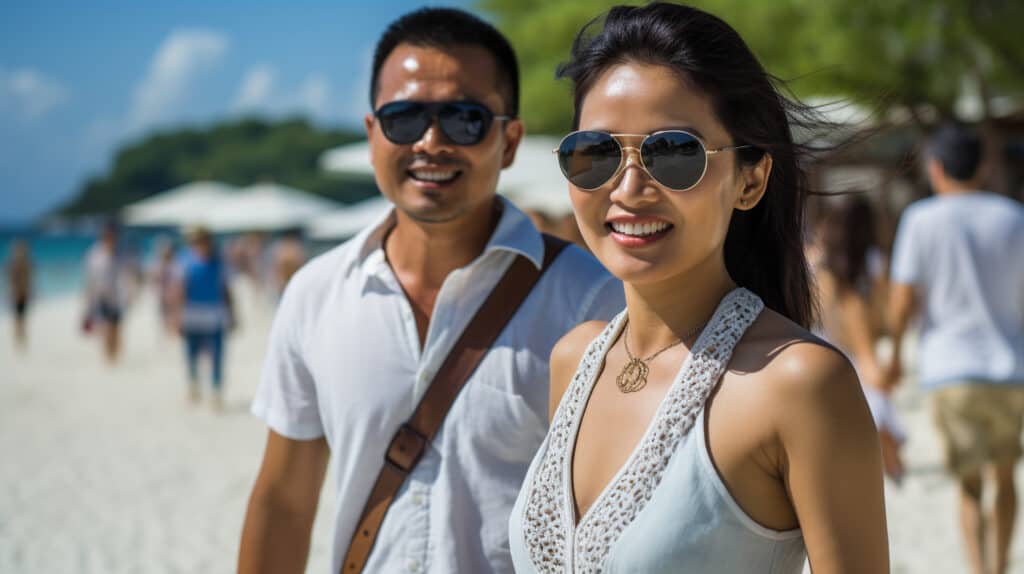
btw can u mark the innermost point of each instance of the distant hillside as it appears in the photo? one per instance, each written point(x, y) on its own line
point(240, 153)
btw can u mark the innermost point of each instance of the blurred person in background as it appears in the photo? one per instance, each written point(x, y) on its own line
point(162, 277)
point(363, 329)
point(107, 275)
point(287, 256)
point(203, 310)
point(958, 265)
point(848, 267)
point(19, 285)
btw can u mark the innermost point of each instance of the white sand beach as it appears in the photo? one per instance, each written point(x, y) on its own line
point(107, 469)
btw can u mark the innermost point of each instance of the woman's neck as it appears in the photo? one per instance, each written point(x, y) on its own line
point(663, 312)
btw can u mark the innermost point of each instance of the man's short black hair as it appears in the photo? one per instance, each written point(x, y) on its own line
point(958, 149)
point(445, 28)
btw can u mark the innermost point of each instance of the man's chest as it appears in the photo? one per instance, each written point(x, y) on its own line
point(368, 367)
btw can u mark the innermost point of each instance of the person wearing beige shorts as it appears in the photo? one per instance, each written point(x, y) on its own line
point(956, 266)
point(980, 424)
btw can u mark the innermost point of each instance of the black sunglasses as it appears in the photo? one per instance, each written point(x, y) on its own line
point(463, 122)
point(676, 159)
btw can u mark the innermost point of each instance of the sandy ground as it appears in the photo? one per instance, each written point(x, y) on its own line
point(107, 469)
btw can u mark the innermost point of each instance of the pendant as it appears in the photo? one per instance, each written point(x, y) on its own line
point(633, 376)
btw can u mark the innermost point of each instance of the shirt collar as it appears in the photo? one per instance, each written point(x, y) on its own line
point(514, 233)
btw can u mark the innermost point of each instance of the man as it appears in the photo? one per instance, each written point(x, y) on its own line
point(362, 329)
point(959, 260)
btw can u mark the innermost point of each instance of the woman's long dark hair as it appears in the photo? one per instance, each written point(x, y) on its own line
point(847, 233)
point(764, 245)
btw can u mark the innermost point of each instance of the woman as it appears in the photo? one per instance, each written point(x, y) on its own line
point(704, 429)
point(107, 271)
point(162, 276)
point(847, 267)
point(204, 310)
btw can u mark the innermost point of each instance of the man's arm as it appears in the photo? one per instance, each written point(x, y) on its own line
point(902, 303)
point(282, 507)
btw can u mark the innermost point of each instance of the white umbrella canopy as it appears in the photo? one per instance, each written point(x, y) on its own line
point(533, 181)
point(348, 159)
point(348, 221)
point(188, 204)
point(266, 207)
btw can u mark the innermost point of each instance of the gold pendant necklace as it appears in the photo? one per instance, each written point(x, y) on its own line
point(633, 376)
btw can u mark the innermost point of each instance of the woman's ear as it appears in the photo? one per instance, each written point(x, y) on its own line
point(755, 182)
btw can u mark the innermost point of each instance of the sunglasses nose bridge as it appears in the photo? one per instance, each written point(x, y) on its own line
point(632, 156)
point(433, 136)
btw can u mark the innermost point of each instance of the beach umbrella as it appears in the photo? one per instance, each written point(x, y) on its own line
point(266, 207)
point(348, 159)
point(188, 204)
point(533, 181)
point(349, 220)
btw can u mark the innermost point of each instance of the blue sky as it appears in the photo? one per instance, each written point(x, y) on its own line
point(79, 78)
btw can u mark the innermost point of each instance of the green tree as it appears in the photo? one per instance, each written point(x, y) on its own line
point(239, 152)
point(910, 56)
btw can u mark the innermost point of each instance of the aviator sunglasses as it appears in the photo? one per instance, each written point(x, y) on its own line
point(463, 122)
point(675, 159)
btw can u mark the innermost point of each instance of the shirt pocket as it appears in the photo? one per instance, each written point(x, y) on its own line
point(502, 425)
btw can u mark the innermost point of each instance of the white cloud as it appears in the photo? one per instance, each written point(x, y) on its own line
point(260, 92)
point(181, 60)
point(29, 93)
point(256, 88)
point(314, 94)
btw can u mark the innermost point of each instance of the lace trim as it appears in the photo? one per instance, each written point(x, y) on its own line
point(549, 514)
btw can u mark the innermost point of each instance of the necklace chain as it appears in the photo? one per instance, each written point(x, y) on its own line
point(633, 376)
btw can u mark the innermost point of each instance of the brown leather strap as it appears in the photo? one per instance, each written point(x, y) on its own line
point(412, 437)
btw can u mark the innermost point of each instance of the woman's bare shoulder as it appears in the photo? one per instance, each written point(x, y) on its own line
point(796, 368)
point(570, 348)
point(566, 356)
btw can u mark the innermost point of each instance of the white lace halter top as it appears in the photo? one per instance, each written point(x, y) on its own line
point(666, 510)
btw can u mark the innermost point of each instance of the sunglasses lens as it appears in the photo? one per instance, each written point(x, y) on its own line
point(676, 159)
point(589, 159)
point(403, 122)
point(465, 123)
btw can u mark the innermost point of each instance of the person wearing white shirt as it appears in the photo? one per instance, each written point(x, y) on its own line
point(958, 263)
point(362, 329)
point(105, 276)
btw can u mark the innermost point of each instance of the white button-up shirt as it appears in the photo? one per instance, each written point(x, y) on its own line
point(344, 362)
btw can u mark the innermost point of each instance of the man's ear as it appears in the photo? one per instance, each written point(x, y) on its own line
point(755, 182)
point(368, 120)
point(514, 132)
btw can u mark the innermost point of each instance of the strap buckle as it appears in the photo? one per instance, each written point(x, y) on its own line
point(406, 448)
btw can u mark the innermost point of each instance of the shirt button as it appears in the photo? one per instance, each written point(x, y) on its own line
point(424, 378)
point(414, 566)
point(417, 500)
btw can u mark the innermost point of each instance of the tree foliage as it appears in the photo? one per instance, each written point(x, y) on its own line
point(240, 153)
point(916, 56)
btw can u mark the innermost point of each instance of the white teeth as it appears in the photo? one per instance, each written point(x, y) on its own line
point(439, 176)
point(639, 229)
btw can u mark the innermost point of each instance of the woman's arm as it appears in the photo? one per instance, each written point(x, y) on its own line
point(856, 320)
point(831, 461)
